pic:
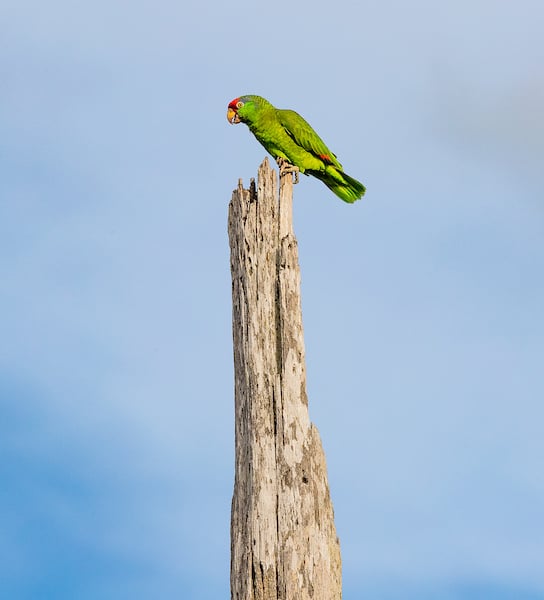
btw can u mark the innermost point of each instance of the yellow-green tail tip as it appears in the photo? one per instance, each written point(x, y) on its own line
point(350, 190)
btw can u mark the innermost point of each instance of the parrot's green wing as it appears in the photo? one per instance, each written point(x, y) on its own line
point(302, 134)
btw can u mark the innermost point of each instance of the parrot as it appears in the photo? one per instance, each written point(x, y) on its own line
point(293, 143)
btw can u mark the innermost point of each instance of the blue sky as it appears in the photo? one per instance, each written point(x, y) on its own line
point(422, 303)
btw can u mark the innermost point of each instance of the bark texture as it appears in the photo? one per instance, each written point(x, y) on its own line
point(283, 539)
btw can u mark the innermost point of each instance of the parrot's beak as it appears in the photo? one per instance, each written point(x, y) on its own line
point(232, 116)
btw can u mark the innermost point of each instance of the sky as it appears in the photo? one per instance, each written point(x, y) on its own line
point(422, 303)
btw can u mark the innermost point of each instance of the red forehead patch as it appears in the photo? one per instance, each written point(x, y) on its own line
point(234, 103)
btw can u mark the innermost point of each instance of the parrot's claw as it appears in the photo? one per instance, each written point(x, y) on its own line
point(286, 168)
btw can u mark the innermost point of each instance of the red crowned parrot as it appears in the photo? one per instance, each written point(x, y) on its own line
point(294, 144)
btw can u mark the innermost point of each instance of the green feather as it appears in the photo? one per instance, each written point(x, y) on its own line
point(285, 134)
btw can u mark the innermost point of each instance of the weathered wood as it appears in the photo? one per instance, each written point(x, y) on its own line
point(283, 539)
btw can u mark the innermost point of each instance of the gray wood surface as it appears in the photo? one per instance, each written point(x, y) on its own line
point(283, 538)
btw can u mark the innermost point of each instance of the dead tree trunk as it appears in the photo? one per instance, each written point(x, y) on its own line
point(283, 539)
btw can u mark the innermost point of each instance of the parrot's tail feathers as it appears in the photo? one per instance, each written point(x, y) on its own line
point(344, 186)
point(353, 189)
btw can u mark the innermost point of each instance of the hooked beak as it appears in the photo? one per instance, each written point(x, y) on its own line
point(232, 116)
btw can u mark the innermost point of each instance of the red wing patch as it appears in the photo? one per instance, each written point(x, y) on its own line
point(325, 157)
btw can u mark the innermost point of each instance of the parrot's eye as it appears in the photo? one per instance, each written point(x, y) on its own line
point(239, 104)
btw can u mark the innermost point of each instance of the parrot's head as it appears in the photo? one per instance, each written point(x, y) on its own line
point(243, 109)
point(232, 111)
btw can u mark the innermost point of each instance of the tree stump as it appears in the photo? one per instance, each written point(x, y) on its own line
point(283, 539)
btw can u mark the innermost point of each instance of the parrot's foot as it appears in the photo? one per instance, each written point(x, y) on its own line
point(286, 168)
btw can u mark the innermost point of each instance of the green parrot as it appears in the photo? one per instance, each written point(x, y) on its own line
point(294, 144)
